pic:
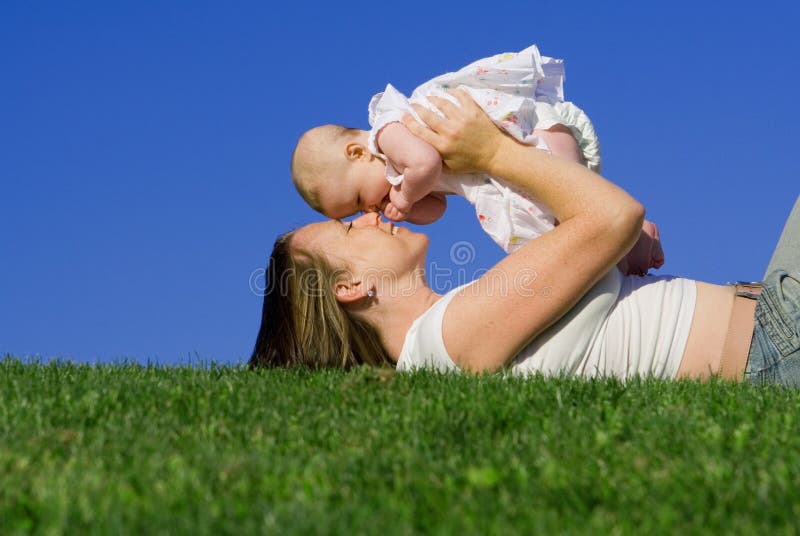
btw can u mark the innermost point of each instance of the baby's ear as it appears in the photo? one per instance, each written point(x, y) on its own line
point(356, 151)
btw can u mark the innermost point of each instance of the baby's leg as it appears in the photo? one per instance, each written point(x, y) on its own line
point(562, 143)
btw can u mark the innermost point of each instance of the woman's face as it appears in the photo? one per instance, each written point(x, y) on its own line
point(364, 244)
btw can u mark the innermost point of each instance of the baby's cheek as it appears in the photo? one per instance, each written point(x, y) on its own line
point(379, 194)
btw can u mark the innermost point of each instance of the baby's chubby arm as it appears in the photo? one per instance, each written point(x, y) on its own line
point(418, 161)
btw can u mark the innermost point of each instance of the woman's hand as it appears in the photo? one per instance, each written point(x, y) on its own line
point(465, 137)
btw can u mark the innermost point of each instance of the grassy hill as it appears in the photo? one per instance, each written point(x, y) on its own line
point(133, 449)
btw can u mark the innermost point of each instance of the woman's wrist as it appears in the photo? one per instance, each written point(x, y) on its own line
point(503, 159)
point(498, 152)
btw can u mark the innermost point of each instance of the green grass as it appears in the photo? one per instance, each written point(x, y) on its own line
point(132, 449)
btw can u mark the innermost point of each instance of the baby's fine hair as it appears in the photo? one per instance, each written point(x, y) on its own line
point(315, 159)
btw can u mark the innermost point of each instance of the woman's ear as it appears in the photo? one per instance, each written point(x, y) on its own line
point(355, 151)
point(349, 291)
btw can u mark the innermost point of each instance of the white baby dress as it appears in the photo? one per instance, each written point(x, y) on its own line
point(520, 92)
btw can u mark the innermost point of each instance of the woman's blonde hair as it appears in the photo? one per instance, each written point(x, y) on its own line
point(302, 322)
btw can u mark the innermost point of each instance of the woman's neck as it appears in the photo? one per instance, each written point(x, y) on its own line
point(394, 316)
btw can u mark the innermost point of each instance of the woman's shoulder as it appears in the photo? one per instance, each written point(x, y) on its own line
point(424, 345)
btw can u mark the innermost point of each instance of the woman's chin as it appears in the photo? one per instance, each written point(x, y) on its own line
point(424, 242)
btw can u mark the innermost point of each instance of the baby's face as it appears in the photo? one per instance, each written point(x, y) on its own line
point(364, 188)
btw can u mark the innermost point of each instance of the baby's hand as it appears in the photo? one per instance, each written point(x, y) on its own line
point(394, 213)
point(398, 206)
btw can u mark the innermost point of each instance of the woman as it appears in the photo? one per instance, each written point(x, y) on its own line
point(341, 294)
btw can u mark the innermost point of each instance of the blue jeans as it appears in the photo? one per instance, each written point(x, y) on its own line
point(774, 355)
point(775, 351)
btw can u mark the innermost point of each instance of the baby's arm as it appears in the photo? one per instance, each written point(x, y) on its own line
point(420, 164)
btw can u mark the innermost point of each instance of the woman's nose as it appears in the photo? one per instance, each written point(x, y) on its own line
point(370, 218)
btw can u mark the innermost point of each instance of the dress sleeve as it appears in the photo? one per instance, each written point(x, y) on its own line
point(384, 108)
point(551, 86)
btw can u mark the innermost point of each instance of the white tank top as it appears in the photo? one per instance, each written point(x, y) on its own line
point(624, 326)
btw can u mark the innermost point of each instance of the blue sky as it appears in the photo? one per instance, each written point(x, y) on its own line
point(144, 146)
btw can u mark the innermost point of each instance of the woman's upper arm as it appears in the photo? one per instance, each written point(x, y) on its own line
point(488, 324)
point(493, 319)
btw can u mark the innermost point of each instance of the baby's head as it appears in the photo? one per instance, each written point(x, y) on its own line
point(336, 173)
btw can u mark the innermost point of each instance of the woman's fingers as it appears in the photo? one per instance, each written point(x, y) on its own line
point(452, 115)
point(466, 104)
point(421, 131)
point(446, 106)
point(465, 136)
point(431, 118)
point(463, 98)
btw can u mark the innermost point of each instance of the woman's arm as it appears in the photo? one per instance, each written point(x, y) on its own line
point(488, 324)
point(419, 163)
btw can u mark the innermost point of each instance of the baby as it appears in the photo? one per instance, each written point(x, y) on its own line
point(342, 171)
